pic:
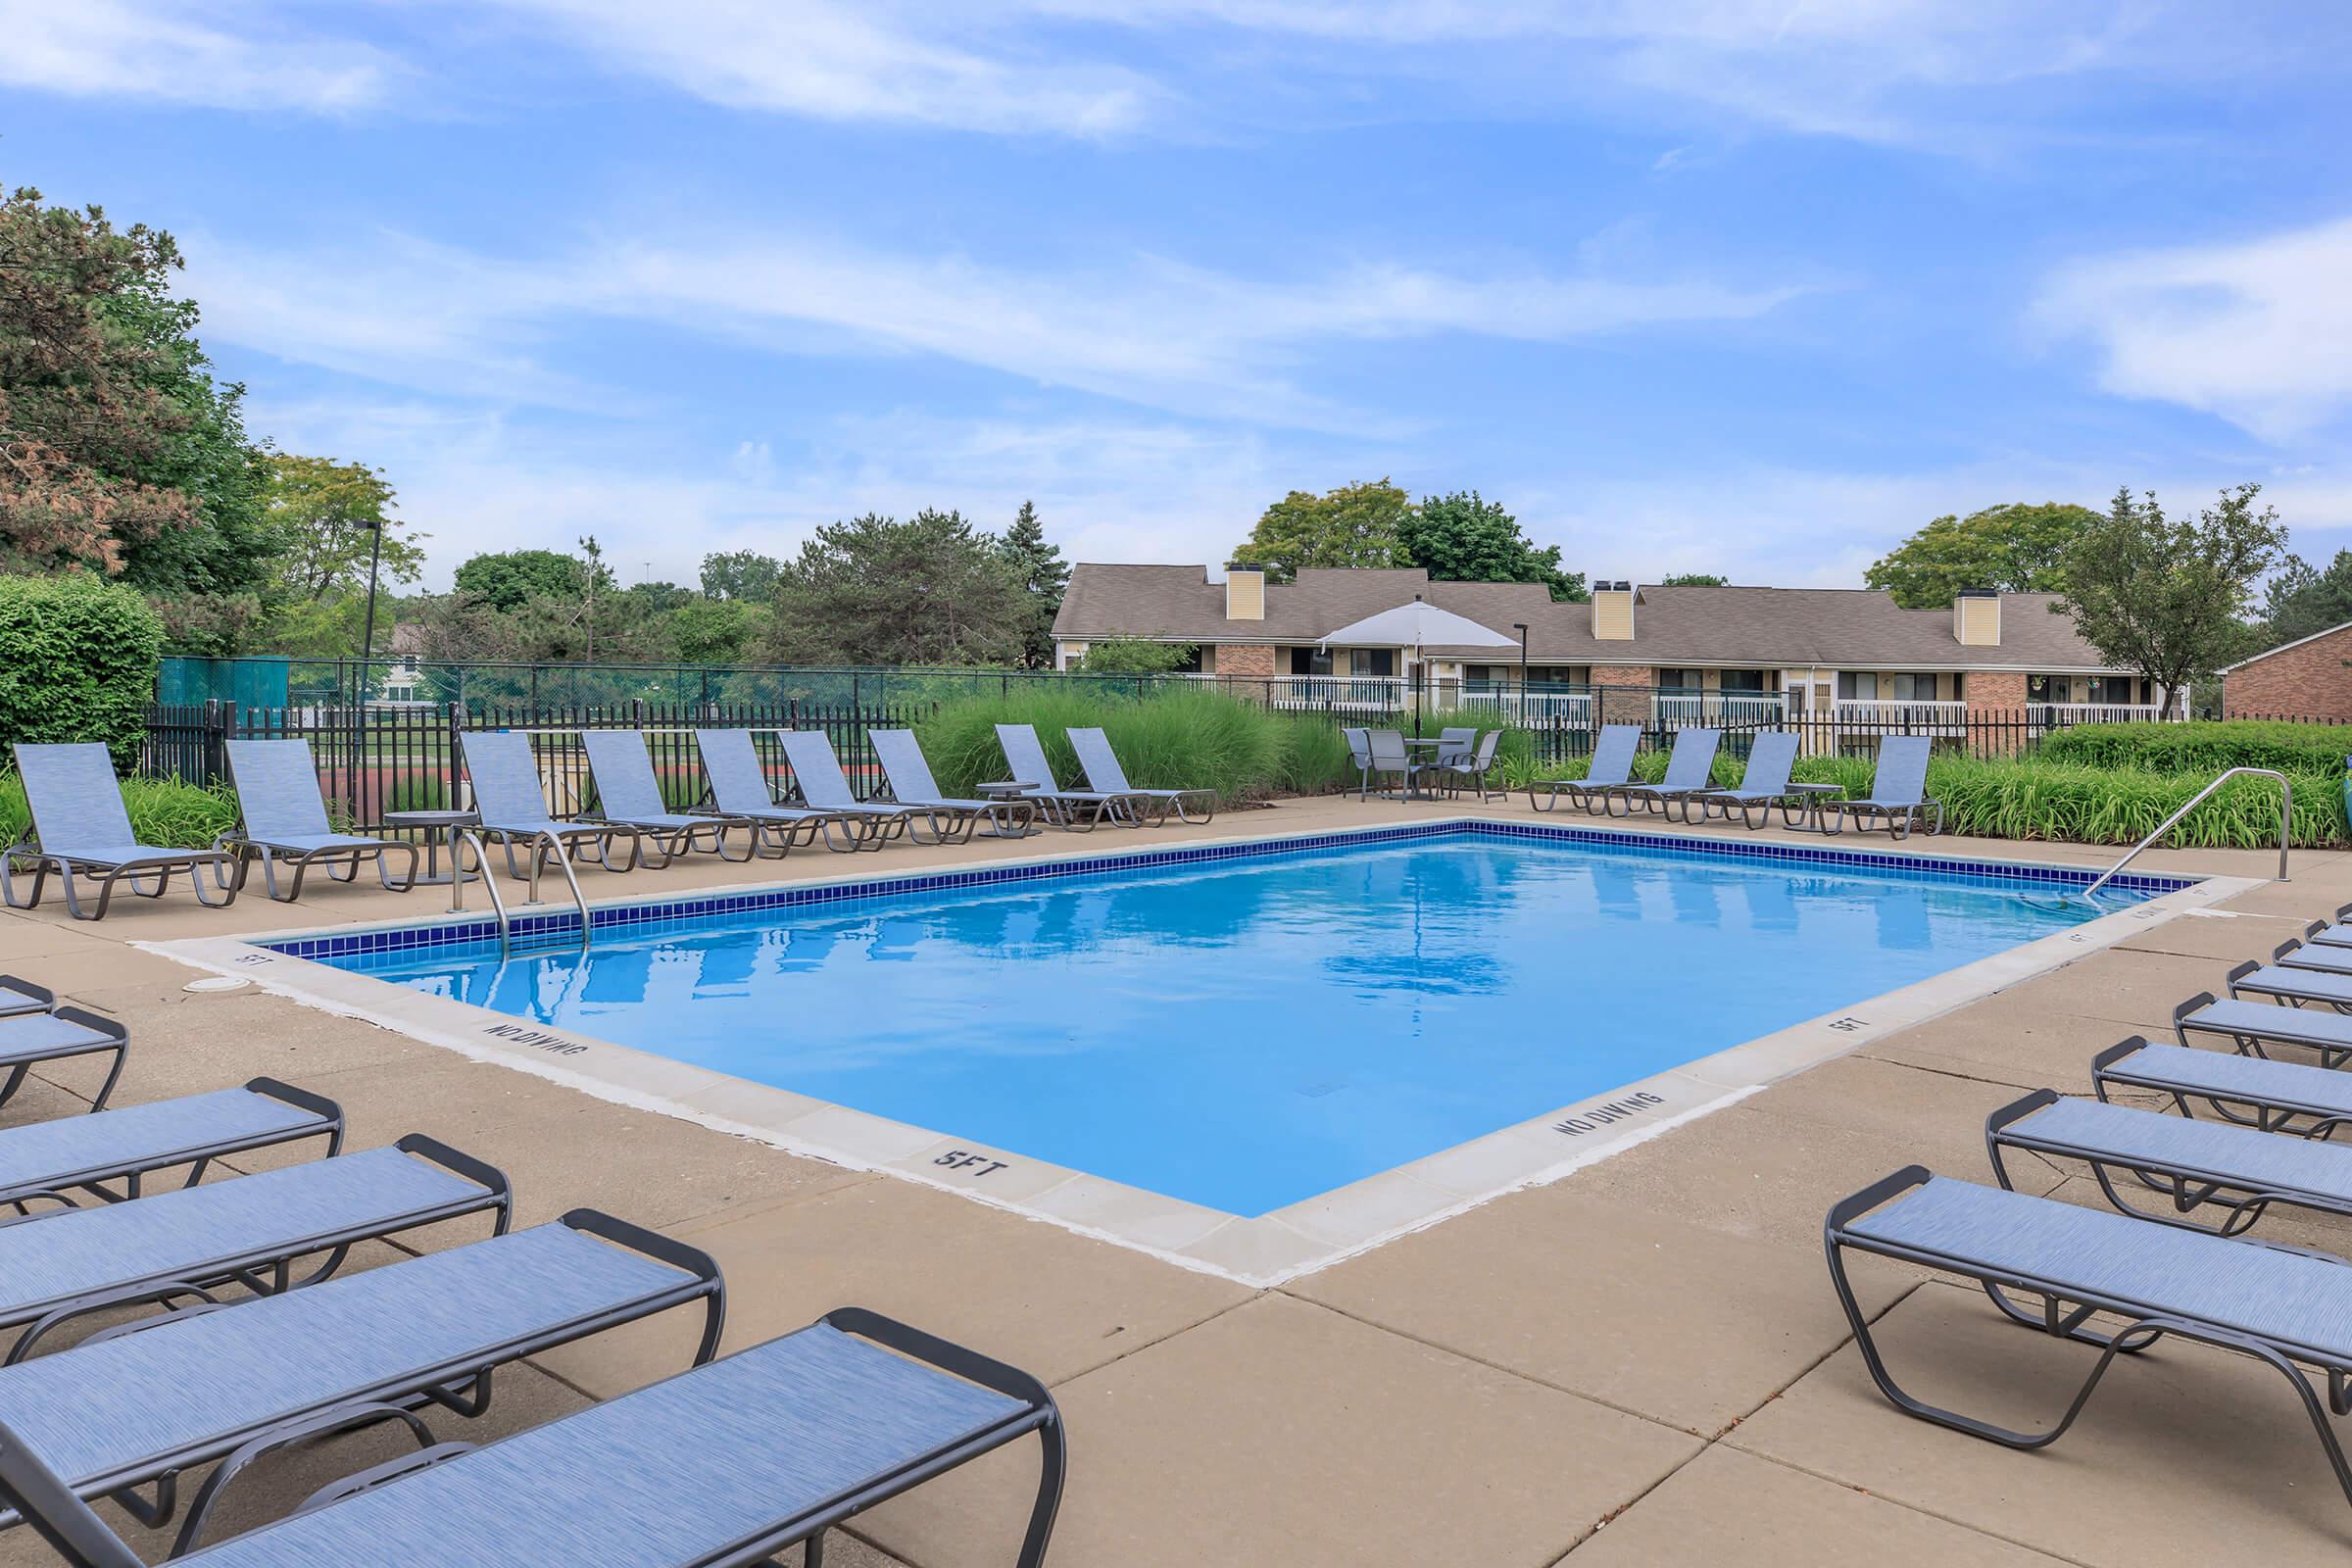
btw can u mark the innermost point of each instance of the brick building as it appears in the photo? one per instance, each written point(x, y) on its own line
point(2310, 677)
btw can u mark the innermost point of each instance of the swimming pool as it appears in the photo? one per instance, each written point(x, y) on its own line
point(1245, 1033)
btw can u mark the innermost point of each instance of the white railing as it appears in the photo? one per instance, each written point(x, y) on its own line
point(1902, 713)
point(1573, 709)
point(1354, 694)
point(2094, 713)
point(1672, 710)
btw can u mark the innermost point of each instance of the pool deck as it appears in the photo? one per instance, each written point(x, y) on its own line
point(1639, 1362)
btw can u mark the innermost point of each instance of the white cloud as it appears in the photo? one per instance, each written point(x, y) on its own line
point(2258, 333)
point(1149, 331)
point(225, 56)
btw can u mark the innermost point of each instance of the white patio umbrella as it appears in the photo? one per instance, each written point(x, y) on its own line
point(1418, 625)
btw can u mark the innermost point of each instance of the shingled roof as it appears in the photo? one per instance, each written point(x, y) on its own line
point(1782, 627)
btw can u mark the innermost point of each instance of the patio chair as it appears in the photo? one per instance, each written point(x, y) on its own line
point(80, 829)
point(507, 795)
point(1610, 770)
point(29, 1039)
point(627, 793)
point(63, 1264)
point(382, 1344)
point(739, 789)
point(816, 769)
point(1391, 755)
point(909, 774)
point(1764, 785)
point(54, 1159)
point(2247, 1025)
point(1100, 764)
point(722, 1466)
point(1899, 792)
point(2285, 1097)
point(2283, 1307)
point(1454, 743)
point(1689, 772)
point(2193, 1166)
point(1073, 810)
point(1359, 757)
point(280, 813)
point(2295, 987)
point(1470, 766)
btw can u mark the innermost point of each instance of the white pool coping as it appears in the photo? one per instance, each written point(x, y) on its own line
point(1261, 1250)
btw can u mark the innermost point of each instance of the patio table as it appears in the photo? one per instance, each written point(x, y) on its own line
point(1809, 814)
point(438, 828)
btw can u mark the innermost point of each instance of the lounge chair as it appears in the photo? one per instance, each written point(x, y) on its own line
point(1690, 773)
point(1899, 792)
point(1763, 786)
point(57, 1159)
point(507, 797)
point(280, 814)
point(1100, 764)
point(61, 1264)
point(628, 795)
point(2292, 986)
point(379, 1345)
point(2274, 1096)
point(2246, 1025)
point(1610, 770)
point(2336, 932)
point(1076, 811)
point(1471, 766)
point(2324, 956)
point(80, 829)
point(739, 789)
point(19, 997)
point(2283, 1307)
point(816, 769)
point(2236, 1172)
point(909, 774)
point(720, 1467)
point(27, 1039)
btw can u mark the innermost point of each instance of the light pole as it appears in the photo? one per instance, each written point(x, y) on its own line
point(375, 552)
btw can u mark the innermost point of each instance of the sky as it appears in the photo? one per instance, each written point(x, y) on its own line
point(1689, 285)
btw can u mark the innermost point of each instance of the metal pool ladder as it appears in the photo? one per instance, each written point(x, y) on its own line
point(506, 922)
point(2287, 811)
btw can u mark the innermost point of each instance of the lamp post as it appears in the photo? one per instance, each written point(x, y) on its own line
point(375, 552)
point(1520, 627)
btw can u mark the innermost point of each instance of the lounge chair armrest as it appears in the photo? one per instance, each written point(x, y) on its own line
point(944, 1355)
point(2203, 999)
point(317, 1106)
point(2020, 1109)
point(1848, 1210)
point(41, 994)
point(501, 1191)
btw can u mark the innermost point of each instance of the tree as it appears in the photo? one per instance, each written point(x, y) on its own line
point(1464, 538)
point(1693, 580)
point(740, 574)
point(325, 514)
point(1133, 656)
point(714, 631)
point(505, 578)
point(2015, 548)
point(119, 452)
point(2300, 601)
point(931, 589)
point(1044, 578)
point(1356, 525)
point(2162, 598)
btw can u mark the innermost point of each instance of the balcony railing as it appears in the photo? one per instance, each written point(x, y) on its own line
point(1674, 709)
point(1573, 709)
point(1352, 694)
point(1906, 715)
point(2058, 713)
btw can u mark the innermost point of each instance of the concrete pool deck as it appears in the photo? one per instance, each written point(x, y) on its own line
point(1639, 1362)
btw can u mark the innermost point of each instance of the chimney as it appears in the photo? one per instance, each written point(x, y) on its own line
point(1613, 612)
point(1977, 617)
point(1245, 590)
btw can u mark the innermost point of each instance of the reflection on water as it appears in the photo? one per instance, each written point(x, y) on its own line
point(1249, 1033)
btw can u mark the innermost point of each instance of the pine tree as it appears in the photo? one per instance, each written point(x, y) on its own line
point(1044, 578)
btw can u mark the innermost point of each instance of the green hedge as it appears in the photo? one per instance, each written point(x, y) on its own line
point(77, 660)
point(2204, 748)
point(163, 812)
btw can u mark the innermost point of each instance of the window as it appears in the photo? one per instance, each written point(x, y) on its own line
point(1909, 688)
point(1743, 680)
point(2037, 688)
point(1680, 681)
point(2113, 689)
point(1310, 661)
point(1857, 685)
point(1380, 661)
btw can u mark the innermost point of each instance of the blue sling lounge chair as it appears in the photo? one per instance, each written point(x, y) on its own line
point(34, 1036)
point(1100, 764)
point(54, 1159)
point(909, 773)
point(1610, 771)
point(1076, 811)
point(2253, 1027)
point(823, 785)
point(1763, 786)
point(628, 795)
point(79, 829)
point(1690, 773)
point(281, 815)
point(1899, 792)
point(505, 776)
point(722, 1466)
point(739, 789)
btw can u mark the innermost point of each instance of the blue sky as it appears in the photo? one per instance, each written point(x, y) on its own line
point(1689, 284)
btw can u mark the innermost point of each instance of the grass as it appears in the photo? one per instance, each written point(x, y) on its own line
point(164, 813)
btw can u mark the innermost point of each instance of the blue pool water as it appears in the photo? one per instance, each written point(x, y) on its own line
point(1248, 1033)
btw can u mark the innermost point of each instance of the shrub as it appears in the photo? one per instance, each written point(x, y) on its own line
point(1172, 740)
point(2205, 748)
point(164, 811)
point(77, 660)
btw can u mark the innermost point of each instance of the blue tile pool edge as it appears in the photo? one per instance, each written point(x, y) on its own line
point(617, 915)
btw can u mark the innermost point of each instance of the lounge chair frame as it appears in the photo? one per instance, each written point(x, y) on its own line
point(784, 827)
point(2063, 1312)
point(1105, 775)
point(547, 837)
point(2269, 1112)
point(463, 1385)
point(1665, 798)
point(59, 1187)
point(670, 833)
point(46, 761)
point(2186, 1186)
point(2289, 991)
point(826, 788)
point(2250, 1042)
point(1588, 792)
point(112, 1039)
point(1755, 803)
point(263, 1269)
point(1008, 817)
point(1059, 806)
point(1897, 817)
point(340, 860)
